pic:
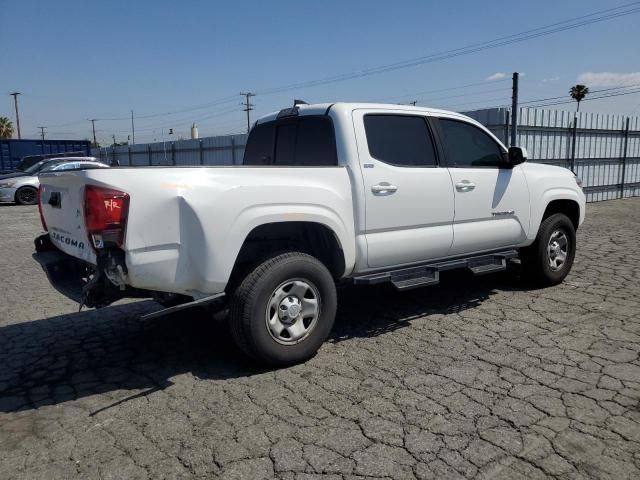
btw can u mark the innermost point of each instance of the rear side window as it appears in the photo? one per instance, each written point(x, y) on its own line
point(298, 141)
point(285, 144)
point(315, 143)
point(401, 140)
point(468, 146)
point(259, 149)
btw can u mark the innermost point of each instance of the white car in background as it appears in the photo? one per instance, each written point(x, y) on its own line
point(22, 187)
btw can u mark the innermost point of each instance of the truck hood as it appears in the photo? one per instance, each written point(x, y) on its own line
point(547, 169)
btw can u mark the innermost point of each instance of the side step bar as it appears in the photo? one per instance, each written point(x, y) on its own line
point(183, 306)
point(429, 273)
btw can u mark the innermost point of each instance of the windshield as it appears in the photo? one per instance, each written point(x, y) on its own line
point(43, 165)
point(48, 167)
point(33, 169)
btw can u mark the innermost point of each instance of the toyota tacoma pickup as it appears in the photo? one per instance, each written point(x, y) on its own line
point(327, 194)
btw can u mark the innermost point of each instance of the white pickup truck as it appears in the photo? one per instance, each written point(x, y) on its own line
point(330, 193)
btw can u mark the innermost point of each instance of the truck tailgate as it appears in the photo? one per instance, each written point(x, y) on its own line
point(62, 203)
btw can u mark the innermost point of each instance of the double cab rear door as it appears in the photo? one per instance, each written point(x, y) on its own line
point(435, 187)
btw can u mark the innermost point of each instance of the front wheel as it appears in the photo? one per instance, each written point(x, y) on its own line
point(549, 259)
point(284, 309)
point(27, 196)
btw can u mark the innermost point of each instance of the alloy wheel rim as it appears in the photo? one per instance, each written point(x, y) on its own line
point(292, 311)
point(27, 195)
point(557, 250)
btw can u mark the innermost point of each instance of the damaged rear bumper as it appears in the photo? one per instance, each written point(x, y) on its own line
point(80, 281)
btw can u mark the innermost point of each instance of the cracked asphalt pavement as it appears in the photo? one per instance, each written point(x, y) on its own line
point(475, 378)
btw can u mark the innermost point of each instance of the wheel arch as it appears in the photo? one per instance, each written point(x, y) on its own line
point(556, 200)
point(314, 238)
point(569, 207)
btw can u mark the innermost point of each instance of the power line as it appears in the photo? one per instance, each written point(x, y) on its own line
point(459, 87)
point(568, 24)
point(423, 101)
point(537, 100)
point(472, 48)
point(618, 94)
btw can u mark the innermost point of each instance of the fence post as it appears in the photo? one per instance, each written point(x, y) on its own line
point(233, 151)
point(201, 151)
point(624, 157)
point(514, 109)
point(506, 127)
point(573, 142)
point(129, 150)
point(173, 153)
point(150, 157)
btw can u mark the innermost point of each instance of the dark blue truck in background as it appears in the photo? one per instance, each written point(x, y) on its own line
point(12, 151)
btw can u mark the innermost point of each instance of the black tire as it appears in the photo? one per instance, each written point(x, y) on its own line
point(538, 257)
point(27, 196)
point(252, 304)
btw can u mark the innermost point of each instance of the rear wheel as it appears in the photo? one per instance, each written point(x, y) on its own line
point(284, 309)
point(549, 259)
point(27, 196)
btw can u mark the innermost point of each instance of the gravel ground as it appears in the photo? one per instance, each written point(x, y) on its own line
point(478, 377)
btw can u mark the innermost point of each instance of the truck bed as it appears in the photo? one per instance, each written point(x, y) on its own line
point(178, 215)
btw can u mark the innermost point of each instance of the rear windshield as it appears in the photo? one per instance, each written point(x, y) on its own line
point(294, 141)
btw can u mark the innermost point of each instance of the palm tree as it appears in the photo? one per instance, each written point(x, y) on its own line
point(578, 92)
point(6, 128)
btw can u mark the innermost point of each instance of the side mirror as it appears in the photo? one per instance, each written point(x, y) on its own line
point(517, 155)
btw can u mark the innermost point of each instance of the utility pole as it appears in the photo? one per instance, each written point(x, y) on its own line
point(114, 139)
point(248, 106)
point(514, 109)
point(42, 132)
point(15, 102)
point(133, 129)
point(93, 126)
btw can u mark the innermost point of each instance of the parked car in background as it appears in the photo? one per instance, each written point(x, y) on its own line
point(22, 187)
point(30, 160)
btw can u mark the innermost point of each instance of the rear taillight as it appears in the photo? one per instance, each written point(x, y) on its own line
point(40, 193)
point(105, 215)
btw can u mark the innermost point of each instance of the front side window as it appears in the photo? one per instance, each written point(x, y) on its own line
point(402, 140)
point(293, 141)
point(468, 146)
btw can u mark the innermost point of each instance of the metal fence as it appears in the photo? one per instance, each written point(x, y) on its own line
point(223, 150)
point(604, 150)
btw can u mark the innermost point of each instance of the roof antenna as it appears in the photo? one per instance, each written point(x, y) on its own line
point(299, 102)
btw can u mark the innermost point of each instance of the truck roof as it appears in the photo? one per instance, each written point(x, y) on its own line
point(347, 107)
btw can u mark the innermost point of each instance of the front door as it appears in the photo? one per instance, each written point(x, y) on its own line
point(408, 196)
point(491, 199)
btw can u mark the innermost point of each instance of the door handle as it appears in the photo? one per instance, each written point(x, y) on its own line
point(465, 186)
point(384, 187)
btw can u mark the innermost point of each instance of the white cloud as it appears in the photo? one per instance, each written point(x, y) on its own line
point(550, 79)
point(496, 76)
point(609, 79)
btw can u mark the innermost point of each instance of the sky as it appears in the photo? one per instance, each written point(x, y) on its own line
point(174, 63)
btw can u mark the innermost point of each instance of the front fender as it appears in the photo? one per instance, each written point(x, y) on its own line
point(548, 196)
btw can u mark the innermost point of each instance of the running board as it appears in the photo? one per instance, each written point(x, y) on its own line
point(183, 306)
point(429, 273)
